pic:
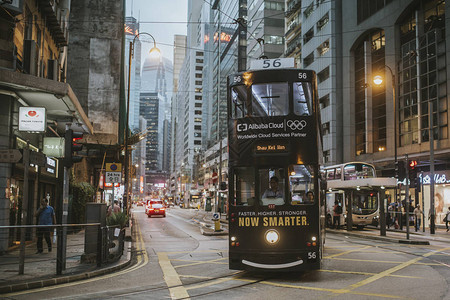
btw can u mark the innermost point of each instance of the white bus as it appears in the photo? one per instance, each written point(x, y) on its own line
point(356, 182)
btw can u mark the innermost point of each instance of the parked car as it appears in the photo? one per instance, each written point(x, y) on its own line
point(155, 207)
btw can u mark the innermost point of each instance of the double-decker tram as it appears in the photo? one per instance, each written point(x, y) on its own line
point(356, 188)
point(275, 211)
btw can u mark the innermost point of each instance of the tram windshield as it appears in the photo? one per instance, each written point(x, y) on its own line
point(271, 182)
point(302, 98)
point(270, 99)
point(364, 202)
point(301, 184)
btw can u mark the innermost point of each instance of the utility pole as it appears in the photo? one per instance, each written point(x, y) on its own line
point(432, 207)
point(407, 196)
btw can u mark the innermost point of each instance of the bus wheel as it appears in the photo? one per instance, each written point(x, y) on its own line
point(329, 221)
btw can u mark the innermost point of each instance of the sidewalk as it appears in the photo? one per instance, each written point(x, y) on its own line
point(398, 236)
point(40, 269)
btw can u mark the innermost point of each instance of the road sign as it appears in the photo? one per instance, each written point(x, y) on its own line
point(113, 167)
point(37, 158)
point(113, 177)
point(10, 155)
point(215, 216)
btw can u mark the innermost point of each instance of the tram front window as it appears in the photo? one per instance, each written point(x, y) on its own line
point(238, 103)
point(270, 99)
point(244, 187)
point(271, 182)
point(302, 98)
point(301, 184)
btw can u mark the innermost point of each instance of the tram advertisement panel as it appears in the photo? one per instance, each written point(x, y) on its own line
point(288, 137)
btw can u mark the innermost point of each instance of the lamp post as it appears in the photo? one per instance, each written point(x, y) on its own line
point(130, 56)
point(378, 80)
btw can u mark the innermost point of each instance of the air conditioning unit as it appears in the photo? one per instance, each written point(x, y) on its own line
point(52, 69)
point(30, 57)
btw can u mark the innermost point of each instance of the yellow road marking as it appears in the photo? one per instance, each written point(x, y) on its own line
point(214, 261)
point(140, 263)
point(347, 252)
point(383, 261)
point(386, 272)
point(213, 282)
point(366, 273)
point(201, 251)
point(176, 288)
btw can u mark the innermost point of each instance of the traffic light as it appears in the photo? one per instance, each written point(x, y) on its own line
point(400, 168)
point(223, 186)
point(412, 170)
point(71, 147)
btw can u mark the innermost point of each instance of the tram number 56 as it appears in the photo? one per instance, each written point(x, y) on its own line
point(271, 63)
point(312, 255)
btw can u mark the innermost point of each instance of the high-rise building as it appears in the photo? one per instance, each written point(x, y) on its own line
point(313, 38)
point(131, 31)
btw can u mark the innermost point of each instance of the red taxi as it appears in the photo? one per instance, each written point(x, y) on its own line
point(155, 207)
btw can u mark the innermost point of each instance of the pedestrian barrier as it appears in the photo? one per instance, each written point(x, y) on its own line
point(63, 249)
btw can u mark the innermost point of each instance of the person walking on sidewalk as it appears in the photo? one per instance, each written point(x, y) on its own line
point(337, 211)
point(417, 215)
point(447, 218)
point(46, 216)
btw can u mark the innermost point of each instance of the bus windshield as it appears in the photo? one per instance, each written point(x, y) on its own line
point(364, 202)
point(358, 171)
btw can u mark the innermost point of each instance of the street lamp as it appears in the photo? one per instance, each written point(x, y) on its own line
point(130, 56)
point(378, 80)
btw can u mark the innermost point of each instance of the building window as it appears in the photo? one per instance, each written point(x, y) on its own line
point(198, 97)
point(367, 8)
point(198, 53)
point(308, 35)
point(309, 10)
point(198, 105)
point(323, 48)
point(198, 75)
point(198, 120)
point(198, 112)
point(198, 68)
point(324, 101)
point(199, 61)
point(197, 127)
point(326, 128)
point(323, 75)
point(322, 22)
point(197, 142)
point(273, 39)
point(270, 5)
point(198, 90)
point(308, 60)
point(197, 82)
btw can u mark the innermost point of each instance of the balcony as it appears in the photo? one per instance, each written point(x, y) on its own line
point(54, 21)
point(292, 6)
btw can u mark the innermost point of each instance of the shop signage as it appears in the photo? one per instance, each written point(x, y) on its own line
point(10, 156)
point(37, 158)
point(440, 177)
point(54, 146)
point(51, 165)
point(32, 119)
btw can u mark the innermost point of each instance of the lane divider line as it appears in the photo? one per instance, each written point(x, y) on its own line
point(173, 281)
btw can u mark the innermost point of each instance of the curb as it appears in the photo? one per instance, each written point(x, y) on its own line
point(380, 238)
point(60, 280)
point(213, 233)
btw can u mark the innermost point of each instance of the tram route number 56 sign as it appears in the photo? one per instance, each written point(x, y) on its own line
point(278, 63)
point(113, 177)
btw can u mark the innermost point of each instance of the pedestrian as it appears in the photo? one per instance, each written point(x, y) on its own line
point(114, 209)
point(46, 216)
point(417, 217)
point(447, 218)
point(337, 211)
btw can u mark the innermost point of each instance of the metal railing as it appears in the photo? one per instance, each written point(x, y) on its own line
point(79, 247)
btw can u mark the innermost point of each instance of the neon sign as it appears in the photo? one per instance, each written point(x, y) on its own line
point(438, 179)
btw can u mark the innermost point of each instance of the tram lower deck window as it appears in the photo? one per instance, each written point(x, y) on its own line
point(244, 187)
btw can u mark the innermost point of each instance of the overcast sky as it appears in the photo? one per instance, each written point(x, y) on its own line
point(162, 19)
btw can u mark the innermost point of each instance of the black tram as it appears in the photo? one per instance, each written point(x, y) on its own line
point(276, 212)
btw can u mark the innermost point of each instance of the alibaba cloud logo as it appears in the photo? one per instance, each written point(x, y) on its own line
point(241, 127)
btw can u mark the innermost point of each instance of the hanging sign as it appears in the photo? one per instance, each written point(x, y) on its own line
point(32, 119)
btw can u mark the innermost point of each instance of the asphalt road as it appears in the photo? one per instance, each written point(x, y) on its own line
point(175, 261)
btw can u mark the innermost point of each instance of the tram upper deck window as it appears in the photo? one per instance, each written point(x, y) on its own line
point(270, 99)
point(301, 184)
point(244, 187)
point(358, 171)
point(238, 101)
point(302, 98)
point(272, 184)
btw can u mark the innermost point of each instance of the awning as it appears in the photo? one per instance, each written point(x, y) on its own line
point(57, 97)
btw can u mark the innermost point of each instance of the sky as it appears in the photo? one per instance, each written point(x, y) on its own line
point(162, 19)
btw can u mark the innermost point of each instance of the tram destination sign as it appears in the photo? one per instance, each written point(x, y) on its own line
point(275, 147)
point(267, 64)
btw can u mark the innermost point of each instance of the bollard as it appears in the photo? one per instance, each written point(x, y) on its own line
point(217, 225)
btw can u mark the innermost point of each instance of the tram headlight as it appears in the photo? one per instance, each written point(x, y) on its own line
point(272, 236)
point(314, 239)
point(233, 239)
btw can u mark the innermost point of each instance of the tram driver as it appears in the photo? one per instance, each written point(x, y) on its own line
point(273, 195)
